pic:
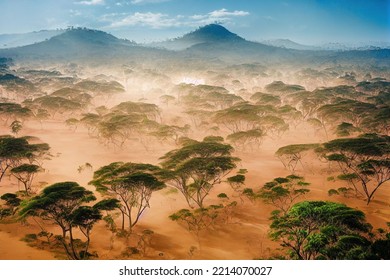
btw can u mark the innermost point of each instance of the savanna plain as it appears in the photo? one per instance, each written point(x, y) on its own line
point(225, 149)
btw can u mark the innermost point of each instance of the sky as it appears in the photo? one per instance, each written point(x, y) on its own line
point(303, 21)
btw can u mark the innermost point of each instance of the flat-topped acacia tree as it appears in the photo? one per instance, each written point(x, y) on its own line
point(16, 150)
point(364, 158)
point(64, 204)
point(132, 184)
point(196, 167)
point(291, 155)
point(25, 173)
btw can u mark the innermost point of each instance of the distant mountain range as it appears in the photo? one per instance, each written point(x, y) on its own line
point(211, 32)
point(210, 43)
point(18, 40)
point(288, 44)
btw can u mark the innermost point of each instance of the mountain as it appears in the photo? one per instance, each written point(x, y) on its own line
point(208, 44)
point(23, 39)
point(74, 43)
point(212, 33)
point(288, 44)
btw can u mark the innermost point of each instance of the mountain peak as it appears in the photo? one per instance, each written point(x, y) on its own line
point(86, 35)
point(211, 32)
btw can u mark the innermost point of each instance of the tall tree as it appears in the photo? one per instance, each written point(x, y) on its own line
point(197, 167)
point(365, 158)
point(62, 204)
point(132, 184)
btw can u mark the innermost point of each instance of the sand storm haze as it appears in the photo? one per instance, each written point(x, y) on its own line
point(191, 150)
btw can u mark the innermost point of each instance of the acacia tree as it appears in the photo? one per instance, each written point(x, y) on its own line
point(62, 204)
point(9, 111)
point(321, 230)
point(252, 138)
point(16, 126)
point(166, 99)
point(12, 151)
point(291, 155)
point(25, 173)
point(197, 167)
point(365, 158)
point(12, 201)
point(132, 184)
point(282, 192)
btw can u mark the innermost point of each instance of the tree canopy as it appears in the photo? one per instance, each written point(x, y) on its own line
point(63, 204)
point(366, 157)
point(196, 167)
point(132, 184)
point(321, 230)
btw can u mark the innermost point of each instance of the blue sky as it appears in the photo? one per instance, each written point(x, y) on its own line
point(303, 21)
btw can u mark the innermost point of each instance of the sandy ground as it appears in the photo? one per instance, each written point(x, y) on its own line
point(244, 237)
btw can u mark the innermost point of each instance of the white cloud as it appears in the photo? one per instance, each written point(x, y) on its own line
point(91, 2)
point(159, 20)
point(225, 13)
point(153, 20)
point(147, 1)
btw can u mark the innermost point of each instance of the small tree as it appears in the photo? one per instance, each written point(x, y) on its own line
point(12, 201)
point(282, 192)
point(12, 151)
point(62, 204)
point(16, 126)
point(166, 99)
point(291, 155)
point(25, 173)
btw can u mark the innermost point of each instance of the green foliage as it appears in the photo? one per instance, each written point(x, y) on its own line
point(14, 150)
point(14, 111)
point(222, 196)
point(291, 155)
point(236, 181)
point(250, 138)
point(346, 129)
point(363, 159)
point(197, 166)
point(132, 184)
point(16, 126)
point(282, 191)
point(333, 192)
point(321, 230)
point(62, 204)
point(196, 220)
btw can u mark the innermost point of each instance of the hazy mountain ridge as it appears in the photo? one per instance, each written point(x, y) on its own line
point(24, 39)
point(206, 34)
point(209, 43)
point(288, 44)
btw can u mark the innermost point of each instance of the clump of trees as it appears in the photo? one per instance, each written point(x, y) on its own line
point(65, 205)
point(326, 230)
